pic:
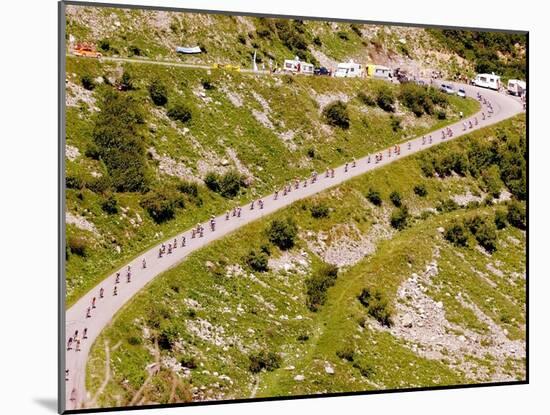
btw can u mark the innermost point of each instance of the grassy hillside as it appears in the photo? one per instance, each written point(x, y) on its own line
point(238, 123)
point(426, 287)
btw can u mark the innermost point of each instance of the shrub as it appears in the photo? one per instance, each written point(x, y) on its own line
point(377, 306)
point(491, 180)
point(366, 99)
point(78, 246)
point(188, 361)
point(342, 35)
point(100, 184)
point(257, 261)
point(303, 337)
point(317, 41)
point(117, 134)
point(447, 205)
point(168, 335)
point(310, 152)
point(74, 182)
point(374, 197)
point(319, 211)
point(336, 114)
point(264, 360)
point(441, 115)
point(500, 219)
point(134, 340)
point(207, 84)
point(456, 234)
point(188, 188)
point(395, 123)
point(241, 38)
point(110, 205)
point(484, 232)
point(87, 82)
point(346, 353)
point(399, 218)
point(395, 198)
point(104, 45)
point(385, 99)
point(366, 369)
point(420, 190)
point(134, 50)
point(179, 112)
point(282, 233)
point(356, 29)
point(227, 185)
point(161, 204)
point(158, 92)
point(92, 151)
point(126, 81)
point(318, 284)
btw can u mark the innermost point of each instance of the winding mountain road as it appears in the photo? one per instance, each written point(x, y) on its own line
point(504, 106)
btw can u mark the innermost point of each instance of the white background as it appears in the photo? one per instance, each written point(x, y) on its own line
point(28, 224)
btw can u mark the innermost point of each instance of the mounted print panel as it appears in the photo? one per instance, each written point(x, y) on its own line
point(265, 207)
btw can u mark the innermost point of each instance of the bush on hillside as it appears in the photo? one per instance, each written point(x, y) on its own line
point(395, 198)
point(516, 215)
point(88, 82)
point(377, 306)
point(318, 284)
point(456, 234)
point(420, 190)
point(385, 99)
point(263, 360)
point(282, 233)
point(110, 205)
point(374, 197)
point(501, 220)
point(257, 261)
point(227, 185)
point(336, 114)
point(158, 92)
point(179, 112)
point(78, 245)
point(161, 204)
point(399, 218)
point(319, 210)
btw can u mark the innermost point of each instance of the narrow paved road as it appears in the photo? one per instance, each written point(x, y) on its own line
point(504, 107)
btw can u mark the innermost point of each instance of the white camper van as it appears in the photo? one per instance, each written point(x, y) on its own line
point(516, 87)
point(296, 66)
point(485, 80)
point(349, 69)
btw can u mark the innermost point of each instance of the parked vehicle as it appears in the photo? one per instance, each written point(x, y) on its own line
point(517, 87)
point(297, 66)
point(321, 71)
point(349, 69)
point(448, 89)
point(378, 71)
point(461, 93)
point(86, 50)
point(490, 81)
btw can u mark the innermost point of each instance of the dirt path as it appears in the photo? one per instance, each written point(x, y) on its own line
point(76, 317)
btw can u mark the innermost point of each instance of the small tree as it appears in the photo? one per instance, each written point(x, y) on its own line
point(264, 360)
point(374, 197)
point(516, 215)
point(399, 217)
point(282, 233)
point(110, 205)
point(395, 198)
point(126, 81)
point(161, 204)
point(78, 246)
point(456, 234)
point(158, 92)
point(377, 306)
point(319, 211)
point(336, 114)
point(420, 190)
point(257, 261)
point(385, 99)
point(179, 112)
point(501, 219)
point(87, 82)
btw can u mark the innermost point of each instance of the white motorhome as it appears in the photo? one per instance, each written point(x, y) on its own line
point(485, 80)
point(296, 66)
point(349, 69)
point(517, 87)
point(379, 71)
